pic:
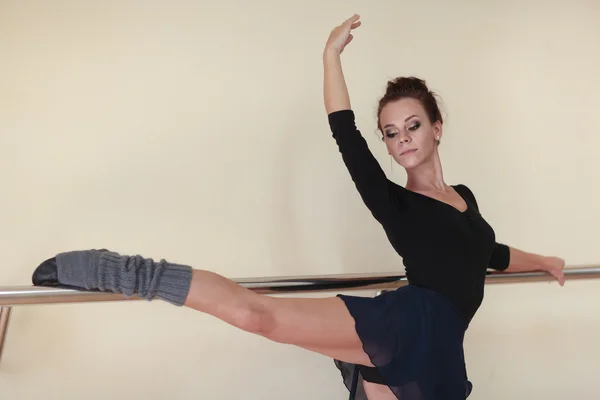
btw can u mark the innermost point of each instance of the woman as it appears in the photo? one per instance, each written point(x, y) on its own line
point(408, 342)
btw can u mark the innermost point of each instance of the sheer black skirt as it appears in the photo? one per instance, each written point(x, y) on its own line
point(414, 337)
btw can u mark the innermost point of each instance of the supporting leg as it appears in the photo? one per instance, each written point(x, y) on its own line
point(375, 391)
point(4, 318)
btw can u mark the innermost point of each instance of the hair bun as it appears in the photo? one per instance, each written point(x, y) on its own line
point(407, 86)
point(411, 87)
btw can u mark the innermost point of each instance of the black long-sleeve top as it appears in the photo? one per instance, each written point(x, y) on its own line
point(442, 248)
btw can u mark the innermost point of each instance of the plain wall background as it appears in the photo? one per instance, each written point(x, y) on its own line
point(195, 131)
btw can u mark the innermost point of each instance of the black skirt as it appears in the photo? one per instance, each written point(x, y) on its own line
point(414, 337)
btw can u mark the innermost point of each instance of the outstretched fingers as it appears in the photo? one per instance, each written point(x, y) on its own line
point(353, 20)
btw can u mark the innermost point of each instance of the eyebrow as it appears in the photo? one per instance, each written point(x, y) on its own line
point(392, 125)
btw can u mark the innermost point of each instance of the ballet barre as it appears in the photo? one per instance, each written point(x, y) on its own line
point(35, 295)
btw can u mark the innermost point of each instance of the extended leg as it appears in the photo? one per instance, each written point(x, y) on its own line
point(320, 325)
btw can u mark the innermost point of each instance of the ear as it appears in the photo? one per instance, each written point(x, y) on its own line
point(437, 131)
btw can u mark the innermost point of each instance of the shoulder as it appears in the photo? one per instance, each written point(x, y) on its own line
point(463, 190)
point(467, 193)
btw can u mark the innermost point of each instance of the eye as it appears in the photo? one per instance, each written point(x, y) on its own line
point(390, 135)
point(415, 126)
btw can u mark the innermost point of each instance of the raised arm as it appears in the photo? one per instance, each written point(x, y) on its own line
point(370, 180)
point(335, 90)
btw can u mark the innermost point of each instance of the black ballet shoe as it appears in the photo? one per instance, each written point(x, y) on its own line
point(46, 274)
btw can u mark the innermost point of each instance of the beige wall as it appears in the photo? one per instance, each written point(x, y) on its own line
point(196, 131)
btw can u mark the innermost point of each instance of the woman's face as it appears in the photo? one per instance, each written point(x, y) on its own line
point(409, 136)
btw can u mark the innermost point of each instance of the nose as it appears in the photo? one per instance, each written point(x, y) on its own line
point(403, 137)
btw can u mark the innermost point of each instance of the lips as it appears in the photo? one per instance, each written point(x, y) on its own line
point(407, 152)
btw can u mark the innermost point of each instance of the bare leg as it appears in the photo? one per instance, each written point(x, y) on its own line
point(322, 325)
point(375, 391)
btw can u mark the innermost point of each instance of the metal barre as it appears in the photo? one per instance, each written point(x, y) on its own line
point(28, 295)
point(34, 295)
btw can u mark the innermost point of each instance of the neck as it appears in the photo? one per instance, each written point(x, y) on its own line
point(426, 176)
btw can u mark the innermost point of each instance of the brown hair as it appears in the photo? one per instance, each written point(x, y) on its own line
point(411, 87)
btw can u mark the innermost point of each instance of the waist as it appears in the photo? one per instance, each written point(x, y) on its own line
point(440, 305)
point(463, 294)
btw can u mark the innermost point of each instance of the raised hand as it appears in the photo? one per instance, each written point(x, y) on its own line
point(341, 35)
